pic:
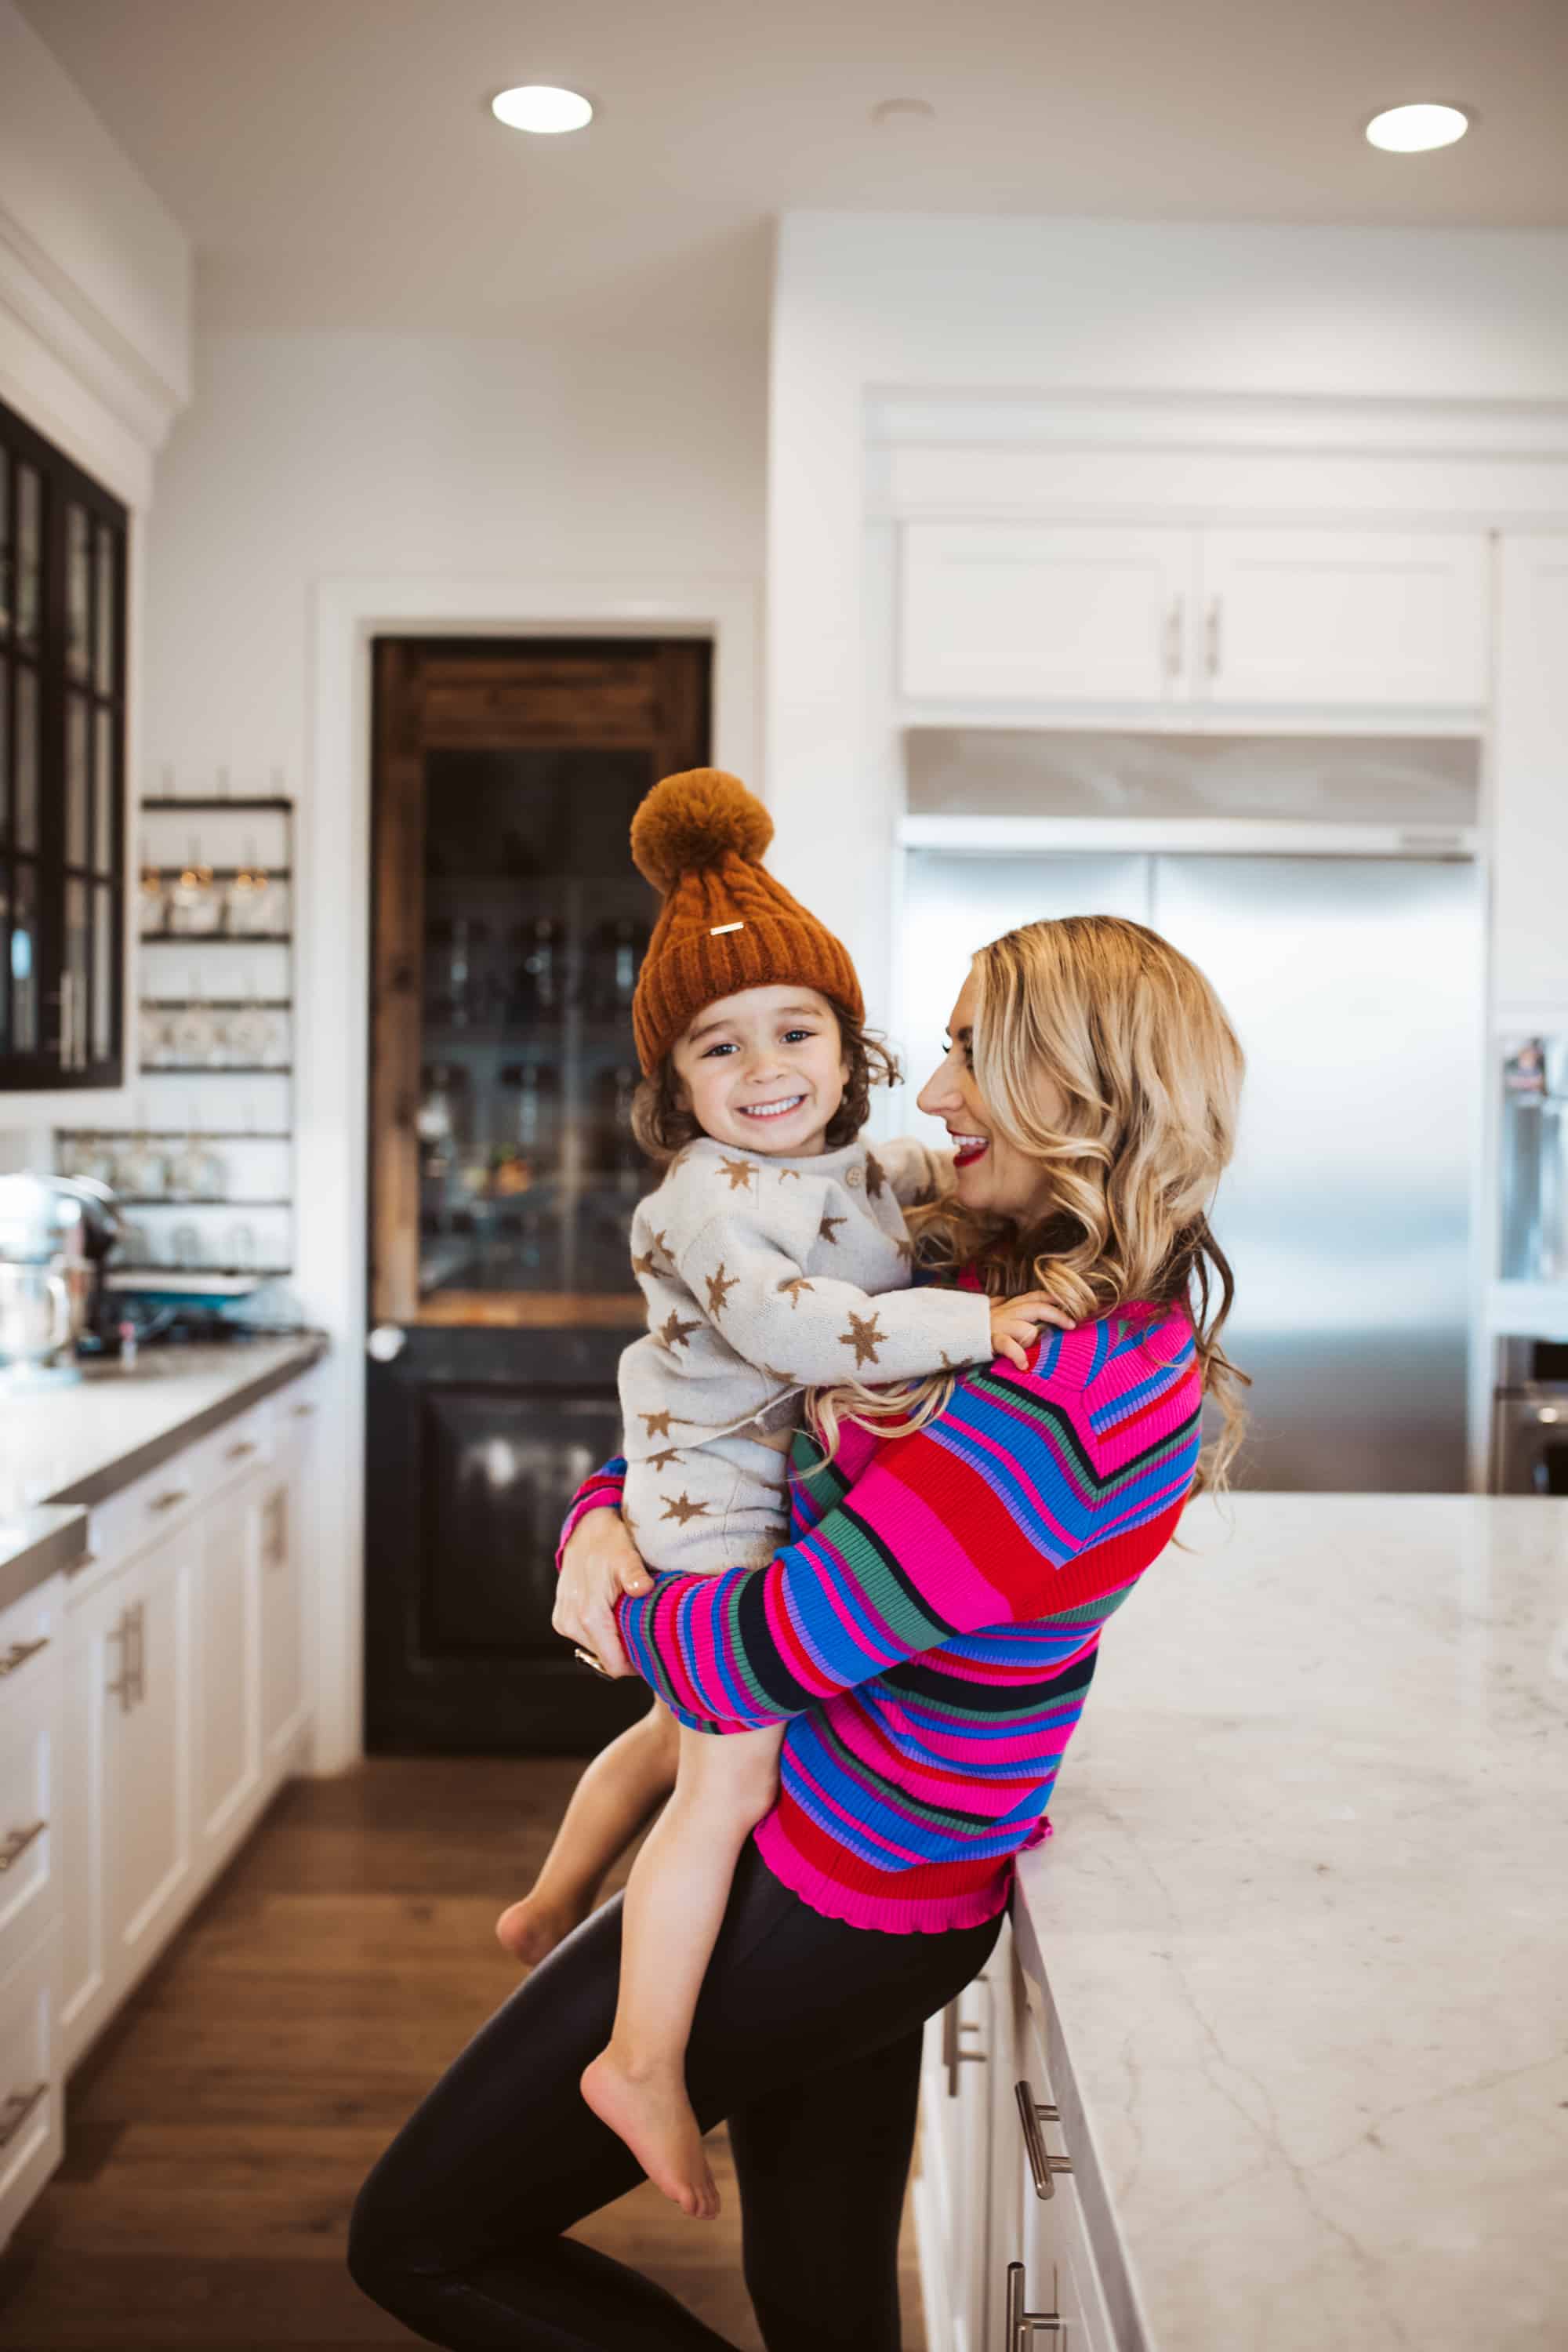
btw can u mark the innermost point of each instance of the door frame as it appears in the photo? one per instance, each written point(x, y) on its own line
point(332, 950)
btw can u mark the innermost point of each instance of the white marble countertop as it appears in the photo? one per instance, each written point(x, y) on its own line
point(80, 1444)
point(1304, 1930)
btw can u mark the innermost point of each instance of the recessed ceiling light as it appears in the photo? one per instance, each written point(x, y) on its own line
point(535, 106)
point(1407, 129)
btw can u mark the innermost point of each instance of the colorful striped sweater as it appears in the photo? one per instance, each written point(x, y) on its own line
point(931, 1629)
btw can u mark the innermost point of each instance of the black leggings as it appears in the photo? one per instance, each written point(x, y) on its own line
point(807, 2038)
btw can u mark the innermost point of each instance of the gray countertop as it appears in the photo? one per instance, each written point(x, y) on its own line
point(1303, 1930)
point(76, 1446)
point(35, 1543)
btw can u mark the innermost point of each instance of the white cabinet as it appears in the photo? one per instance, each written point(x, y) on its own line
point(993, 2249)
point(126, 1818)
point(185, 1700)
point(32, 2080)
point(1244, 621)
point(1371, 619)
point(277, 1512)
point(1045, 614)
point(1529, 924)
point(227, 1760)
point(953, 2193)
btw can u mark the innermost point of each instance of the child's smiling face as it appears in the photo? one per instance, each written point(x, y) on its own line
point(764, 1069)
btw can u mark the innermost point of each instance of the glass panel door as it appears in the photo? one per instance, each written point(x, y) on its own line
point(535, 923)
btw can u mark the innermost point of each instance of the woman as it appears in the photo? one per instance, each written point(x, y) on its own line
point(928, 1636)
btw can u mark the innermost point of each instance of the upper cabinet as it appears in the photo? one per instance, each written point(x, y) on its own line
point(1254, 619)
point(62, 769)
point(1030, 612)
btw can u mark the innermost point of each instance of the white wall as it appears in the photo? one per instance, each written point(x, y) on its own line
point(305, 457)
point(95, 275)
point(864, 304)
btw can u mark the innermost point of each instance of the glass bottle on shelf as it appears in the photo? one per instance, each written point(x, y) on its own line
point(152, 914)
point(618, 1152)
point(442, 1120)
point(537, 984)
point(195, 909)
point(618, 947)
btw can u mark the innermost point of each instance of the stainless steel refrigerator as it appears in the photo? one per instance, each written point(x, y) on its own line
point(1354, 982)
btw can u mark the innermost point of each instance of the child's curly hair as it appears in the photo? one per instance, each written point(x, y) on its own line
point(663, 1126)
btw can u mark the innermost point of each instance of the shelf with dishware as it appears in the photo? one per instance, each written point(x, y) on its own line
point(216, 874)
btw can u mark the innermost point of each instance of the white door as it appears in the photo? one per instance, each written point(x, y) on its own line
point(148, 1752)
point(1373, 620)
point(1045, 613)
point(276, 1510)
point(227, 1682)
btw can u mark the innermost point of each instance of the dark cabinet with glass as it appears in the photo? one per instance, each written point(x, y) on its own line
point(62, 769)
point(509, 924)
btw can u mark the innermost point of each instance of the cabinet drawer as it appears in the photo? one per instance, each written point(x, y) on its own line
point(30, 1646)
point(153, 1507)
point(31, 2109)
point(29, 1874)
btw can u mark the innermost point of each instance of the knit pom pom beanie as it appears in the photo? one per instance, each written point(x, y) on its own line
point(725, 923)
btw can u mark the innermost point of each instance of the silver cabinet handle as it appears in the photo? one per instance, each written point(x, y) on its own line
point(1175, 636)
point(19, 1652)
point(1211, 638)
point(124, 1685)
point(303, 1411)
point(17, 1844)
point(952, 2056)
point(166, 1502)
point(387, 1342)
point(1023, 2324)
point(138, 1628)
point(1032, 2113)
point(238, 1453)
point(14, 2110)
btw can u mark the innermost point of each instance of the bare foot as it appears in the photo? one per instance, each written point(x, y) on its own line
point(531, 1929)
point(652, 2113)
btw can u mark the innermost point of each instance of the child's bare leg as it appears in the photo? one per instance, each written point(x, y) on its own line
point(674, 1907)
point(622, 1786)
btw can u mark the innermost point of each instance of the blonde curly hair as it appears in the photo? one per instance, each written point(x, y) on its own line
point(1136, 1043)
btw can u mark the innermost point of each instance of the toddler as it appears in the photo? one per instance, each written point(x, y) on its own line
point(774, 1258)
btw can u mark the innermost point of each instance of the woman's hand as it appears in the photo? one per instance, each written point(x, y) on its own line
point(1016, 1325)
point(600, 1562)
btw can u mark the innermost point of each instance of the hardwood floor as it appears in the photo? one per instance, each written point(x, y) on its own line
point(218, 2133)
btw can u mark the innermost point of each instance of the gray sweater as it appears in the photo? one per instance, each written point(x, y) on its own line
point(764, 1277)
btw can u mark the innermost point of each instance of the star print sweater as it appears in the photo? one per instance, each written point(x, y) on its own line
point(764, 1277)
point(929, 1632)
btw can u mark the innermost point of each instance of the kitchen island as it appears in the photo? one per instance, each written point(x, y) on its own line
point(1296, 1958)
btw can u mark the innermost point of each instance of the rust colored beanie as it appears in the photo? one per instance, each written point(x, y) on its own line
point(725, 923)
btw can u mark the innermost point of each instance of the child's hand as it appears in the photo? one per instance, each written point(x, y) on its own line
point(1016, 1325)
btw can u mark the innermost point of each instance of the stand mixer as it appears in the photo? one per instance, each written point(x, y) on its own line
point(54, 1235)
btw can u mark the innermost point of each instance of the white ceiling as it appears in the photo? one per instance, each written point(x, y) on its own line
point(337, 165)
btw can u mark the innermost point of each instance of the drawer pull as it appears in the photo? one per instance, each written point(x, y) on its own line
point(1032, 2113)
point(167, 1502)
point(15, 1846)
point(303, 1411)
point(20, 1652)
point(238, 1453)
point(953, 2057)
point(1023, 2324)
point(14, 2110)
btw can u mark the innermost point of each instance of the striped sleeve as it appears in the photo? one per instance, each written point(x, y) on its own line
point(601, 1491)
point(1004, 1510)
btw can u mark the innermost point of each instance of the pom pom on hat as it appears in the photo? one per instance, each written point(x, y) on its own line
point(692, 820)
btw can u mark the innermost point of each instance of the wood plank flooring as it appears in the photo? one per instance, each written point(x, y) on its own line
point(215, 2137)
